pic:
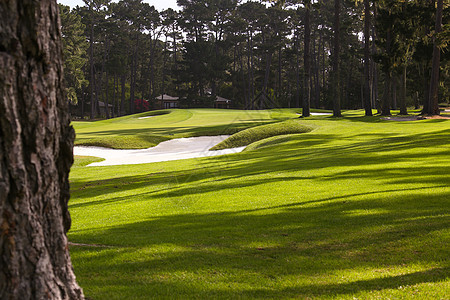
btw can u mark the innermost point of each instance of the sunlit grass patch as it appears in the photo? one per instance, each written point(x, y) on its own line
point(81, 161)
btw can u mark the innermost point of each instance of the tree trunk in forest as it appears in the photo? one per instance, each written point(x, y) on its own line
point(297, 72)
point(151, 86)
point(366, 94)
point(114, 96)
point(175, 61)
point(36, 142)
point(324, 82)
point(316, 56)
point(82, 102)
point(336, 47)
point(306, 108)
point(387, 93)
point(96, 89)
point(122, 91)
point(386, 103)
point(241, 64)
point(251, 74)
point(133, 76)
point(394, 91)
point(106, 95)
point(403, 109)
point(426, 90)
point(105, 58)
point(163, 79)
point(375, 101)
point(91, 66)
point(416, 100)
point(263, 99)
point(433, 105)
point(280, 72)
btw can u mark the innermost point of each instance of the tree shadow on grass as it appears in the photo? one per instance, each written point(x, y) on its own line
point(310, 154)
point(270, 252)
point(388, 235)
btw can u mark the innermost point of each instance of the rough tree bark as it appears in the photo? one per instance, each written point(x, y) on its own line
point(36, 142)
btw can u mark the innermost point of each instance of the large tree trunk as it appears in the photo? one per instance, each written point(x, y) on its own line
point(36, 142)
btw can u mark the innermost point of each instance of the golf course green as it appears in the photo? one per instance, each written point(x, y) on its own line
point(314, 208)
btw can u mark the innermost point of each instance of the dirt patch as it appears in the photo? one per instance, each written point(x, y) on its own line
point(438, 117)
point(89, 245)
point(403, 118)
point(414, 118)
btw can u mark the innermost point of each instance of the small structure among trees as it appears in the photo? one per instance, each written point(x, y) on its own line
point(221, 102)
point(165, 102)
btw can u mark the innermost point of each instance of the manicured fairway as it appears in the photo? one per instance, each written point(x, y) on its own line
point(356, 208)
point(148, 129)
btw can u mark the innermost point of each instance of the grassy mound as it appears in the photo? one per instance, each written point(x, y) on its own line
point(254, 134)
point(124, 142)
point(153, 113)
point(81, 161)
point(272, 141)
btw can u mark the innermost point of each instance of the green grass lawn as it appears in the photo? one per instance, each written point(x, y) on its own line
point(150, 128)
point(358, 208)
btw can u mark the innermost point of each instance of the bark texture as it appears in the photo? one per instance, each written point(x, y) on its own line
point(36, 142)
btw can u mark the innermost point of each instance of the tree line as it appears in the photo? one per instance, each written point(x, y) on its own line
point(341, 54)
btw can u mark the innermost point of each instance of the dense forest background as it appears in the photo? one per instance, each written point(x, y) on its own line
point(322, 54)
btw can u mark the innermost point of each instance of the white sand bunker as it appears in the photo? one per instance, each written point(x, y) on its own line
point(169, 150)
